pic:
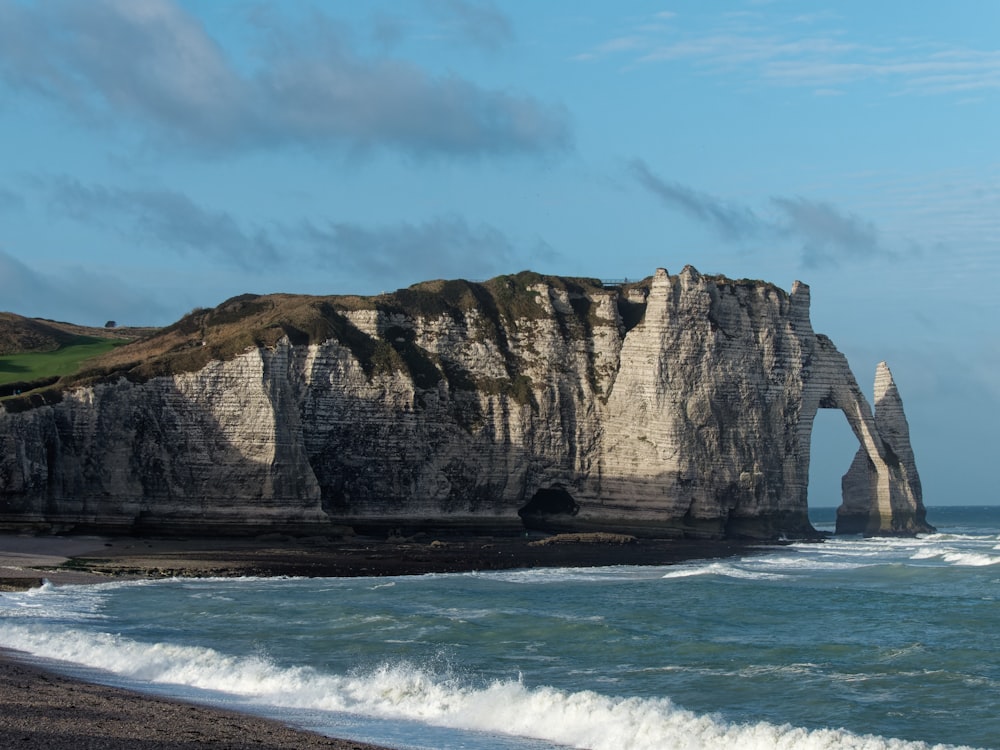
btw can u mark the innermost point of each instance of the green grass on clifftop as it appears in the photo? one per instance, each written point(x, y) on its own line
point(66, 360)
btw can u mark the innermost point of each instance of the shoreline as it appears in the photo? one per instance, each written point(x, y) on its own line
point(25, 561)
point(43, 708)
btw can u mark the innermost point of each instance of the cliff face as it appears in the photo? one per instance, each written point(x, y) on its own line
point(678, 405)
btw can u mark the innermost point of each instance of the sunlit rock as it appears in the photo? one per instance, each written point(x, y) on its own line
point(676, 405)
point(881, 490)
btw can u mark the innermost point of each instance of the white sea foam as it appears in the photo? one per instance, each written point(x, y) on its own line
point(689, 571)
point(808, 564)
point(547, 576)
point(584, 719)
point(954, 549)
point(726, 570)
point(76, 602)
point(956, 557)
point(943, 537)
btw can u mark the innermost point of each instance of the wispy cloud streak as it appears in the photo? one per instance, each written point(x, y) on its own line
point(165, 219)
point(730, 220)
point(794, 52)
point(443, 246)
point(825, 234)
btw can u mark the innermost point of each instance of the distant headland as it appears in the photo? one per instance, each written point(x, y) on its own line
point(672, 406)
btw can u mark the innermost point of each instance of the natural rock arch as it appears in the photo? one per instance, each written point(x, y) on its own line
point(881, 491)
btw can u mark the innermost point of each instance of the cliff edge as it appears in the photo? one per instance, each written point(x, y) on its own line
point(677, 405)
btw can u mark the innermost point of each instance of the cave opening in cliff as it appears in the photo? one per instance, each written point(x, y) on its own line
point(547, 506)
point(833, 446)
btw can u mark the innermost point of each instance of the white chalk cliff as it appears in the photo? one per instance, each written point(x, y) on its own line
point(678, 405)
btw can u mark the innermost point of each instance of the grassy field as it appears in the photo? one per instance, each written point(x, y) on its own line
point(63, 361)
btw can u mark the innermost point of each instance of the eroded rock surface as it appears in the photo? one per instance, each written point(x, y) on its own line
point(679, 405)
point(881, 490)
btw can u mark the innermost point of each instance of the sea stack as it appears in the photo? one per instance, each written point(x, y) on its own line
point(881, 490)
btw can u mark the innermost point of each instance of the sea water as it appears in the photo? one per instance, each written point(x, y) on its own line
point(856, 643)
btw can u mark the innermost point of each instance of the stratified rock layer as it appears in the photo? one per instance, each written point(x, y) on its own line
point(881, 490)
point(680, 405)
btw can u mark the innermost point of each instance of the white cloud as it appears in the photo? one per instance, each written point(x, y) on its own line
point(155, 65)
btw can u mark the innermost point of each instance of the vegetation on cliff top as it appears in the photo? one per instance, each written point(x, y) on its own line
point(19, 335)
point(36, 353)
point(28, 367)
point(250, 321)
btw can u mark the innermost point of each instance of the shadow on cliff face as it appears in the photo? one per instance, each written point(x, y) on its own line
point(549, 509)
point(157, 458)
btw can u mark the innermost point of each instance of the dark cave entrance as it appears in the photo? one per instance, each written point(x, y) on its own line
point(547, 508)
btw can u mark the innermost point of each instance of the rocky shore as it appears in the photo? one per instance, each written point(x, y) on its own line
point(26, 561)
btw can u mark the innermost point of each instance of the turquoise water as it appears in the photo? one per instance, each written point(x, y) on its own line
point(850, 643)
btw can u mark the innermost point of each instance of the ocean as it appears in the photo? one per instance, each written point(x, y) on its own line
point(851, 643)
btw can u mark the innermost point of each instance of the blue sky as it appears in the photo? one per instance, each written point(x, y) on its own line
point(166, 154)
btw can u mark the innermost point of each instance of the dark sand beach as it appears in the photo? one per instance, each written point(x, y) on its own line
point(41, 709)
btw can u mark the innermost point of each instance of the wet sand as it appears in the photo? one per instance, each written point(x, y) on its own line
point(25, 560)
point(40, 709)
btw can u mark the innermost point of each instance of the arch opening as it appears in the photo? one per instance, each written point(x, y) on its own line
point(833, 446)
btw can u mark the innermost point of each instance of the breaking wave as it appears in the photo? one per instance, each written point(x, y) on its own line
point(405, 691)
point(726, 570)
point(956, 557)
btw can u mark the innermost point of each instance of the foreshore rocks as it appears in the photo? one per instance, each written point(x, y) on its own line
point(674, 406)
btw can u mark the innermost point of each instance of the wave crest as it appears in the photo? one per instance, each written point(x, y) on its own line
point(404, 691)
